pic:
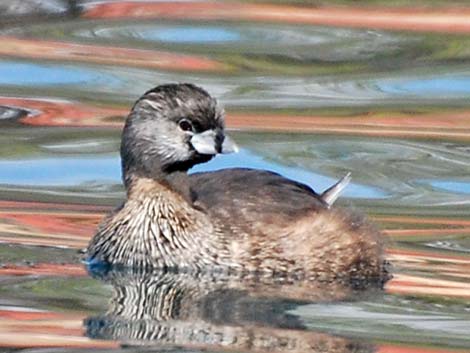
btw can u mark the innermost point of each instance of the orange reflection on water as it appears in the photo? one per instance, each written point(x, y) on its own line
point(43, 269)
point(416, 285)
point(388, 348)
point(448, 19)
point(48, 228)
point(49, 112)
point(439, 125)
point(451, 125)
point(42, 329)
point(65, 52)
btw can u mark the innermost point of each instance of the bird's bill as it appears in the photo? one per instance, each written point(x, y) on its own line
point(207, 143)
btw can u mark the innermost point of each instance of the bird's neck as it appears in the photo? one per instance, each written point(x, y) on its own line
point(176, 182)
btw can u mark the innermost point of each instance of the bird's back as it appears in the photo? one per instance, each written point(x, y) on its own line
point(248, 197)
point(282, 225)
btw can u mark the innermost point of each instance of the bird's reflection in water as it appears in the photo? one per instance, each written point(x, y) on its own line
point(218, 312)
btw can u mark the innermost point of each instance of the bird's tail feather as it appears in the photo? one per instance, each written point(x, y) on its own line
point(330, 195)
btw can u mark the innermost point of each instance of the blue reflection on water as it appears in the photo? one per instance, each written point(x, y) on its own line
point(446, 85)
point(69, 171)
point(190, 35)
point(60, 171)
point(27, 74)
point(458, 187)
point(317, 181)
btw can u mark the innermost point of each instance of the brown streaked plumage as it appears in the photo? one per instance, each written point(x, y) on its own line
point(234, 219)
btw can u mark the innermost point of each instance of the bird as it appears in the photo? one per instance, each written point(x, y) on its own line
point(236, 219)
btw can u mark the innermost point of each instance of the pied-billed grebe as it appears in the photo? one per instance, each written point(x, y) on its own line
point(237, 219)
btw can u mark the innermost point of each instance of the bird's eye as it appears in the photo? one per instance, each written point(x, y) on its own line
point(185, 125)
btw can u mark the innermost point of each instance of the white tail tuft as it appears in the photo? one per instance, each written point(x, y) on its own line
point(330, 195)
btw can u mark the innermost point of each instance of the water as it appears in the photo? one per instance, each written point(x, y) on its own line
point(308, 95)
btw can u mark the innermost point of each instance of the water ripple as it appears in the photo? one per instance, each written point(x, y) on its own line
point(167, 34)
point(383, 169)
point(307, 42)
point(31, 7)
point(394, 166)
point(460, 245)
point(255, 91)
